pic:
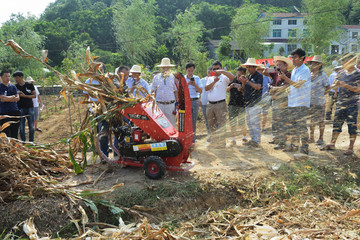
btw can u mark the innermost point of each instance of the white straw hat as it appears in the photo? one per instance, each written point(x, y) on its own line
point(135, 69)
point(165, 62)
point(250, 62)
point(286, 60)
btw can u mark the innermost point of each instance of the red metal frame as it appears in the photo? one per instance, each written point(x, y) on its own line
point(153, 122)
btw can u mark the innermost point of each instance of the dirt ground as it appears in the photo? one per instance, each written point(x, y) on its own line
point(236, 160)
point(231, 162)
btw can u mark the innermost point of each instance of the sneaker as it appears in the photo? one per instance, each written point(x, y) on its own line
point(244, 139)
point(320, 142)
point(274, 141)
point(233, 143)
point(251, 144)
point(279, 146)
point(304, 150)
point(38, 129)
point(291, 148)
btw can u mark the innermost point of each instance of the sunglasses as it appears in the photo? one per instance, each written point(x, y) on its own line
point(216, 68)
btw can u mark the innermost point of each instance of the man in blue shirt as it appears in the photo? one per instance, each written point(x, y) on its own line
point(135, 81)
point(195, 89)
point(8, 105)
point(298, 102)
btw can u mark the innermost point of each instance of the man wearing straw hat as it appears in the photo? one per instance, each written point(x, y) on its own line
point(347, 106)
point(319, 88)
point(279, 99)
point(298, 102)
point(135, 81)
point(216, 86)
point(253, 93)
point(165, 90)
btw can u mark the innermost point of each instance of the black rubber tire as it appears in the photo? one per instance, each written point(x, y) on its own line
point(154, 167)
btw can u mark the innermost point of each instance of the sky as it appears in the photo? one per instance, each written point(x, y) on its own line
point(34, 7)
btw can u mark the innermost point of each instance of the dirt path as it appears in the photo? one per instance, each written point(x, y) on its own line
point(230, 161)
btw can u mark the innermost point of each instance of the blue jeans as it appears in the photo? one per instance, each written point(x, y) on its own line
point(253, 122)
point(29, 113)
point(104, 140)
point(194, 112)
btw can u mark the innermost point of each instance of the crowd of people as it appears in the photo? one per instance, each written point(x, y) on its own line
point(19, 103)
point(296, 92)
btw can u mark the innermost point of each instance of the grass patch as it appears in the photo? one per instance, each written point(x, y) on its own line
point(149, 196)
point(306, 178)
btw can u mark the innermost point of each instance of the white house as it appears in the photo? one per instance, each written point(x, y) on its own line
point(288, 29)
point(349, 40)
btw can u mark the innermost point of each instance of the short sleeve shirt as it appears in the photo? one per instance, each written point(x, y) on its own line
point(318, 85)
point(192, 90)
point(131, 82)
point(218, 92)
point(300, 97)
point(347, 98)
point(27, 89)
point(266, 84)
point(253, 96)
point(236, 97)
point(7, 107)
point(164, 88)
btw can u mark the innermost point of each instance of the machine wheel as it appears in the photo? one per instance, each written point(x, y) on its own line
point(154, 167)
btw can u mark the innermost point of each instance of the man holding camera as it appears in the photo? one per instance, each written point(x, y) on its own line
point(195, 90)
point(216, 85)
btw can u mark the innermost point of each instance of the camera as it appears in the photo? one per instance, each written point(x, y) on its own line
point(192, 79)
point(279, 70)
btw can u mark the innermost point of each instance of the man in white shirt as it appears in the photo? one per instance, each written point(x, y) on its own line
point(216, 108)
point(37, 103)
point(165, 90)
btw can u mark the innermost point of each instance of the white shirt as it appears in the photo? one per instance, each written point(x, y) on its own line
point(164, 89)
point(300, 97)
point(218, 91)
point(35, 100)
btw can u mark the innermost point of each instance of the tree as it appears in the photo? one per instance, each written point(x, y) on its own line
point(247, 31)
point(134, 27)
point(214, 16)
point(224, 48)
point(186, 33)
point(323, 21)
point(21, 30)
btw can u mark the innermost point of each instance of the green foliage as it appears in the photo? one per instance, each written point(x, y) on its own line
point(224, 48)
point(247, 32)
point(21, 30)
point(74, 57)
point(214, 16)
point(281, 51)
point(134, 27)
point(323, 26)
point(186, 33)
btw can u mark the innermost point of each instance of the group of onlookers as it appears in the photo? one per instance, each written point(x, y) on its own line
point(19, 103)
point(296, 93)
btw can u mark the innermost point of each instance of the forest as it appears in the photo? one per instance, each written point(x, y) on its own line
point(144, 31)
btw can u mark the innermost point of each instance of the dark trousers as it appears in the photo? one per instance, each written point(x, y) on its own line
point(12, 130)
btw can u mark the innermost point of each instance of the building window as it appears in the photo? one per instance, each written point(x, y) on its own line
point(277, 22)
point(276, 32)
point(354, 48)
point(334, 49)
point(292, 33)
point(292, 22)
point(291, 47)
point(354, 35)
